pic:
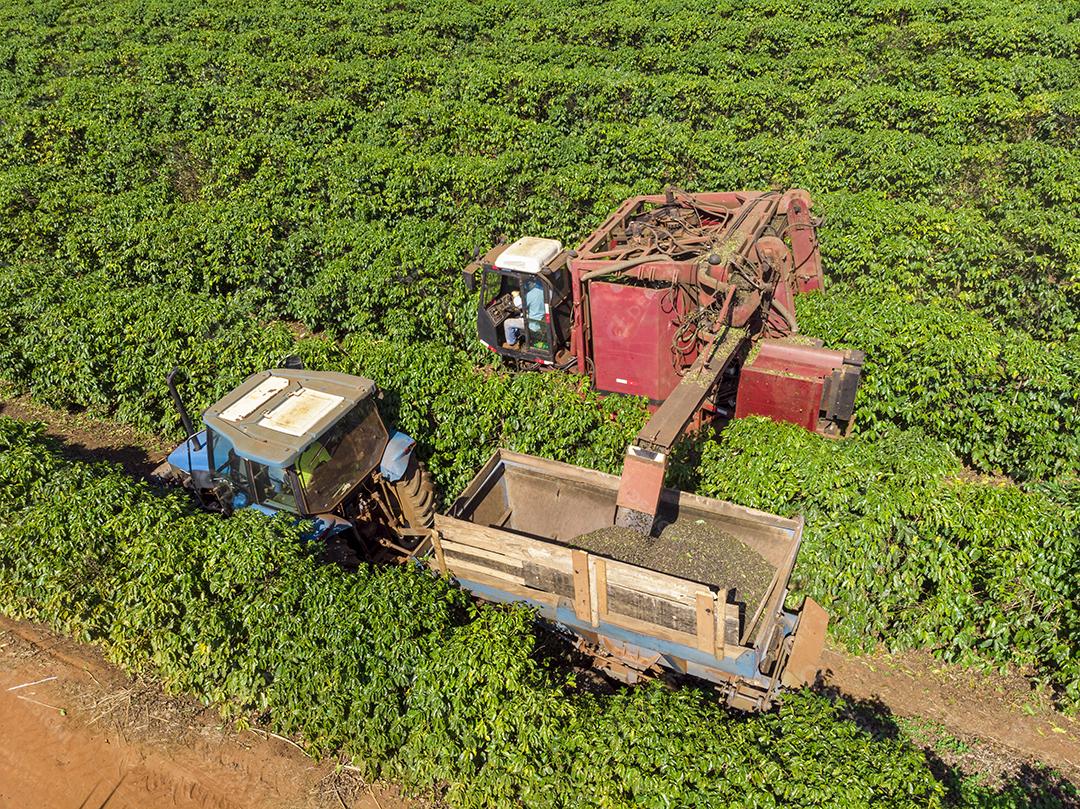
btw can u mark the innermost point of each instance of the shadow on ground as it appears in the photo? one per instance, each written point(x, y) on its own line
point(88, 440)
point(1020, 784)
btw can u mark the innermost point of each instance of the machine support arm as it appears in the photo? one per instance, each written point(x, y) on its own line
point(646, 459)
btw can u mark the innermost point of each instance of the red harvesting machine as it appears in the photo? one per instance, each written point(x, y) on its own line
point(685, 299)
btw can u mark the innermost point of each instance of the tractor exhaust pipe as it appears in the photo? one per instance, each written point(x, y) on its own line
point(185, 419)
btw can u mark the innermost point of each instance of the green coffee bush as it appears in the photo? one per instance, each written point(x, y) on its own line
point(904, 546)
point(1006, 403)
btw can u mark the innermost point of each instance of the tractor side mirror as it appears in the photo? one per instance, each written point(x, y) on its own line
point(468, 275)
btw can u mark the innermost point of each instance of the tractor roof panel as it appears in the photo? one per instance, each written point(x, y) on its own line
point(275, 415)
point(299, 414)
point(528, 254)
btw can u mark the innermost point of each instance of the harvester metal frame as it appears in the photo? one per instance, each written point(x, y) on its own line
point(687, 300)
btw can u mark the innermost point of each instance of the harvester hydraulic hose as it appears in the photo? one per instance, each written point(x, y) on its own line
point(785, 314)
point(623, 266)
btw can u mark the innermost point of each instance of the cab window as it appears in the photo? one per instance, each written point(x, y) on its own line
point(496, 286)
point(272, 487)
point(220, 452)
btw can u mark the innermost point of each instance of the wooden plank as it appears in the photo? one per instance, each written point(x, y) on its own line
point(652, 630)
point(516, 590)
point(719, 619)
point(451, 548)
point(510, 567)
point(594, 595)
point(507, 543)
point(600, 585)
point(551, 555)
point(662, 585)
point(582, 599)
point(548, 579)
point(706, 624)
point(653, 609)
point(765, 599)
point(479, 536)
point(461, 568)
point(774, 600)
point(436, 539)
point(731, 624)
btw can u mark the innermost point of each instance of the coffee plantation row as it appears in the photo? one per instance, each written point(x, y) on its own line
point(899, 548)
point(401, 671)
point(215, 185)
point(337, 166)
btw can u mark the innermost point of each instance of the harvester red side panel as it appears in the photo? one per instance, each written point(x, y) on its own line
point(785, 382)
point(632, 332)
point(779, 397)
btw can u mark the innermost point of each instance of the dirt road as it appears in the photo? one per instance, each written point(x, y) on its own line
point(991, 724)
point(79, 733)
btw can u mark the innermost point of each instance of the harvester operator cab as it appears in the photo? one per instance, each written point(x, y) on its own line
point(305, 443)
point(525, 303)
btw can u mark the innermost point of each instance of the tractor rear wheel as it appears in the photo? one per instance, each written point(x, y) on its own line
point(416, 497)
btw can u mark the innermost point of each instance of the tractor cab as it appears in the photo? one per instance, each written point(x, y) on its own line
point(524, 311)
point(306, 443)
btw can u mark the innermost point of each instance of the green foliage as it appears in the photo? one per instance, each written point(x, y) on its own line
point(114, 359)
point(335, 166)
point(903, 546)
point(79, 342)
point(1001, 400)
point(393, 665)
point(460, 415)
point(205, 184)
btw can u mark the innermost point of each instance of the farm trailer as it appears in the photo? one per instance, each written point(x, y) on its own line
point(510, 536)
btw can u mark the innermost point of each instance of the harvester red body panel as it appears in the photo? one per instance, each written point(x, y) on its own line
point(787, 381)
point(633, 329)
point(624, 335)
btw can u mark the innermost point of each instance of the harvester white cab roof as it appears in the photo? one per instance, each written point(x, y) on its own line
point(529, 254)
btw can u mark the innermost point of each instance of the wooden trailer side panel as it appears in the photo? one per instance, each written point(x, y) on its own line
point(599, 591)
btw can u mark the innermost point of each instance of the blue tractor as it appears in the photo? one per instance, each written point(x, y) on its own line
point(310, 444)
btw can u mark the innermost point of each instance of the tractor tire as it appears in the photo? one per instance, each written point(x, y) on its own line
point(416, 497)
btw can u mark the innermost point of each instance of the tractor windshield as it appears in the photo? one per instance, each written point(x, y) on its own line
point(340, 458)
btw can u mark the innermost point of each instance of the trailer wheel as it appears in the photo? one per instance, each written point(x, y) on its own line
point(416, 497)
